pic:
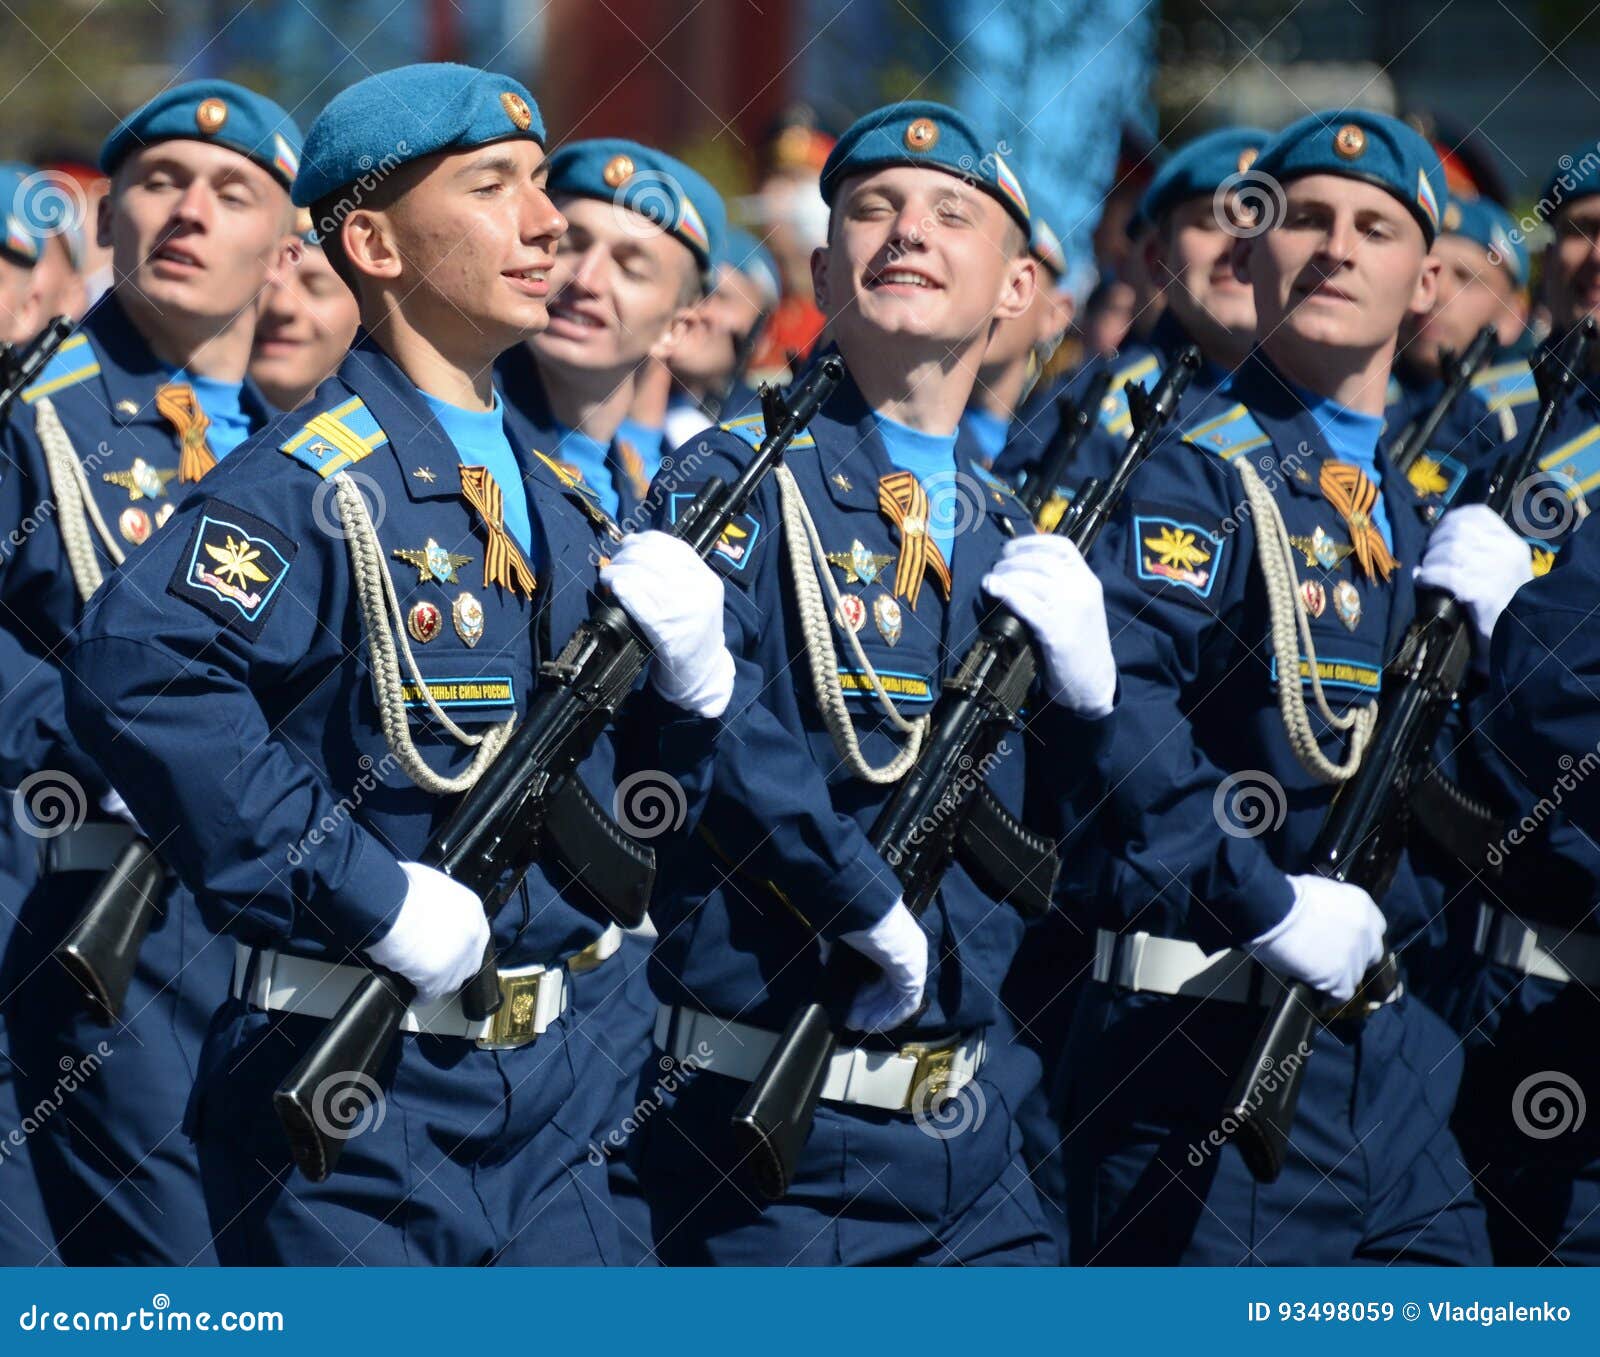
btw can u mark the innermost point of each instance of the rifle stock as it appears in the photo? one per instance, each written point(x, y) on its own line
point(773, 1119)
point(1419, 685)
point(498, 827)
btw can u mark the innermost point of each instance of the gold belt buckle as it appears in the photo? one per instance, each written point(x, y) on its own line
point(513, 1022)
point(934, 1073)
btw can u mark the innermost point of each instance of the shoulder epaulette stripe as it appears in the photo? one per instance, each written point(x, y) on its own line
point(54, 379)
point(1213, 424)
point(1134, 371)
point(1585, 474)
point(752, 428)
point(1209, 434)
point(328, 444)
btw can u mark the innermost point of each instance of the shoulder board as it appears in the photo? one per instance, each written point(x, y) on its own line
point(994, 482)
point(1577, 461)
point(753, 428)
point(335, 439)
point(1506, 384)
point(74, 362)
point(1228, 434)
point(1114, 416)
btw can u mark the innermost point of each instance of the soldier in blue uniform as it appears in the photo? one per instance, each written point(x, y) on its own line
point(1198, 204)
point(327, 644)
point(865, 569)
point(644, 231)
point(1260, 574)
point(136, 407)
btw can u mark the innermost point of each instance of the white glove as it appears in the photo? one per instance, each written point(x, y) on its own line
point(1046, 582)
point(1332, 933)
point(676, 598)
point(438, 937)
point(1474, 555)
point(897, 945)
point(114, 806)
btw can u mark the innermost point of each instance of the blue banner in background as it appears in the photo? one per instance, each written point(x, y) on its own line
point(378, 1312)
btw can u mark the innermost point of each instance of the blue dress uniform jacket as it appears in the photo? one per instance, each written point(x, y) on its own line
point(1208, 810)
point(522, 386)
point(119, 1180)
point(239, 709)
point(783, 856)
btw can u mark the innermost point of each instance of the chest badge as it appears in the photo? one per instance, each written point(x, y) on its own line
point(860, 566)
point(141, 480)
point(425, 475)
point(1314, 596)
point(1347, 604)
point(424, 622)
point(1320, 549)
point(134, 525)
point(886, 613)
point(163, 514)
point(852, 612)
point(433, 561)
point(467, 614)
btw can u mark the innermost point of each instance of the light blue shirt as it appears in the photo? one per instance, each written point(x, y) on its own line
point(480, 440)
point(988, 429)
point(222, 403)
point(1352, 437)
point(931, 458)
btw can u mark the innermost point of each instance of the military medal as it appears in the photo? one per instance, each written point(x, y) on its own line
point(1314, 596)
point(860, 566)
point(467, 613)
point(141, 480)
point(1320, 549)
point(134, 525)
point(433, 560)
point(424, 622)
point(886, 613)
point(851, 612)
point(1347, 603)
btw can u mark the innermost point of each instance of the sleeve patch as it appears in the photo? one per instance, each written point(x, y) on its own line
point(1170, 551)
point(233, 568)
point(738, 539)
point(1437, 474)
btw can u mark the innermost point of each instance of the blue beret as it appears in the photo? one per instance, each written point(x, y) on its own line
point(649, 182)
point(750, 257)
point(217, 111)
point(390, 119)
point(1372, 147)
point(1571, 177)
point(919, 132)
point(1046, 247)
point(1490, 225)
point(24, 236)
point(1201, 167)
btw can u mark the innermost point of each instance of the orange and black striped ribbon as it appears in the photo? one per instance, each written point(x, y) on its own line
point(633, 468)
point(905, 504)
point(1349, 489)
point(502, 562)
point(180, 409)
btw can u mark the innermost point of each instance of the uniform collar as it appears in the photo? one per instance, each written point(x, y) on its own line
point(429, 463)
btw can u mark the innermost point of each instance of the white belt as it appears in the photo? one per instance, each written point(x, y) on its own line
point(92, 847)
point(910, 1079)
point(1537, 949)
point(532, 997)
point(1140, 961)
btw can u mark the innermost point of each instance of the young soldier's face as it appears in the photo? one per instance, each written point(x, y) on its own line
point(920, 255)
point(468, 246)
point(1192, 256)
point(19, 302)
point(194, 227)
point(618, 284)
point(707, 350)
point(1473, 292)
point(308, 318)
point(1345, 267)
point(1572, 264)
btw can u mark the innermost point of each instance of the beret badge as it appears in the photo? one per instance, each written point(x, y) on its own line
point(210, 115)
point(921, 134)
point(1349, 141)
point(1452, 217)
point(517, 110)
point(1247, 158)
point(618, 170)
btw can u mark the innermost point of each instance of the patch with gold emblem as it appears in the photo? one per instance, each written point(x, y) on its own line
point(467, 614)
point(424, 621)
point(1314, 596)
point(1170, 551)
point(1543, 559)
point(851, 612)
point(134, 525)
point(234, 568)
point(891, 621)
point(432, 561)
point(738, 539)
point(141, 480)
point(1347, 604)
point(1436, 475)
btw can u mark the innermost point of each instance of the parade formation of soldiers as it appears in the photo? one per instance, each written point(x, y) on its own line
point(381, 440)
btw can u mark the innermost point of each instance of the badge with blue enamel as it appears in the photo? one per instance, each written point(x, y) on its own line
point(234, 567)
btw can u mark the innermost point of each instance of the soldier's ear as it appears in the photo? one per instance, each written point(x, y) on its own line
point(819, 276)
point(369, 244)
point(1020, 286)
point(102, 222)
point(1427, 289)
point(685, 320)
